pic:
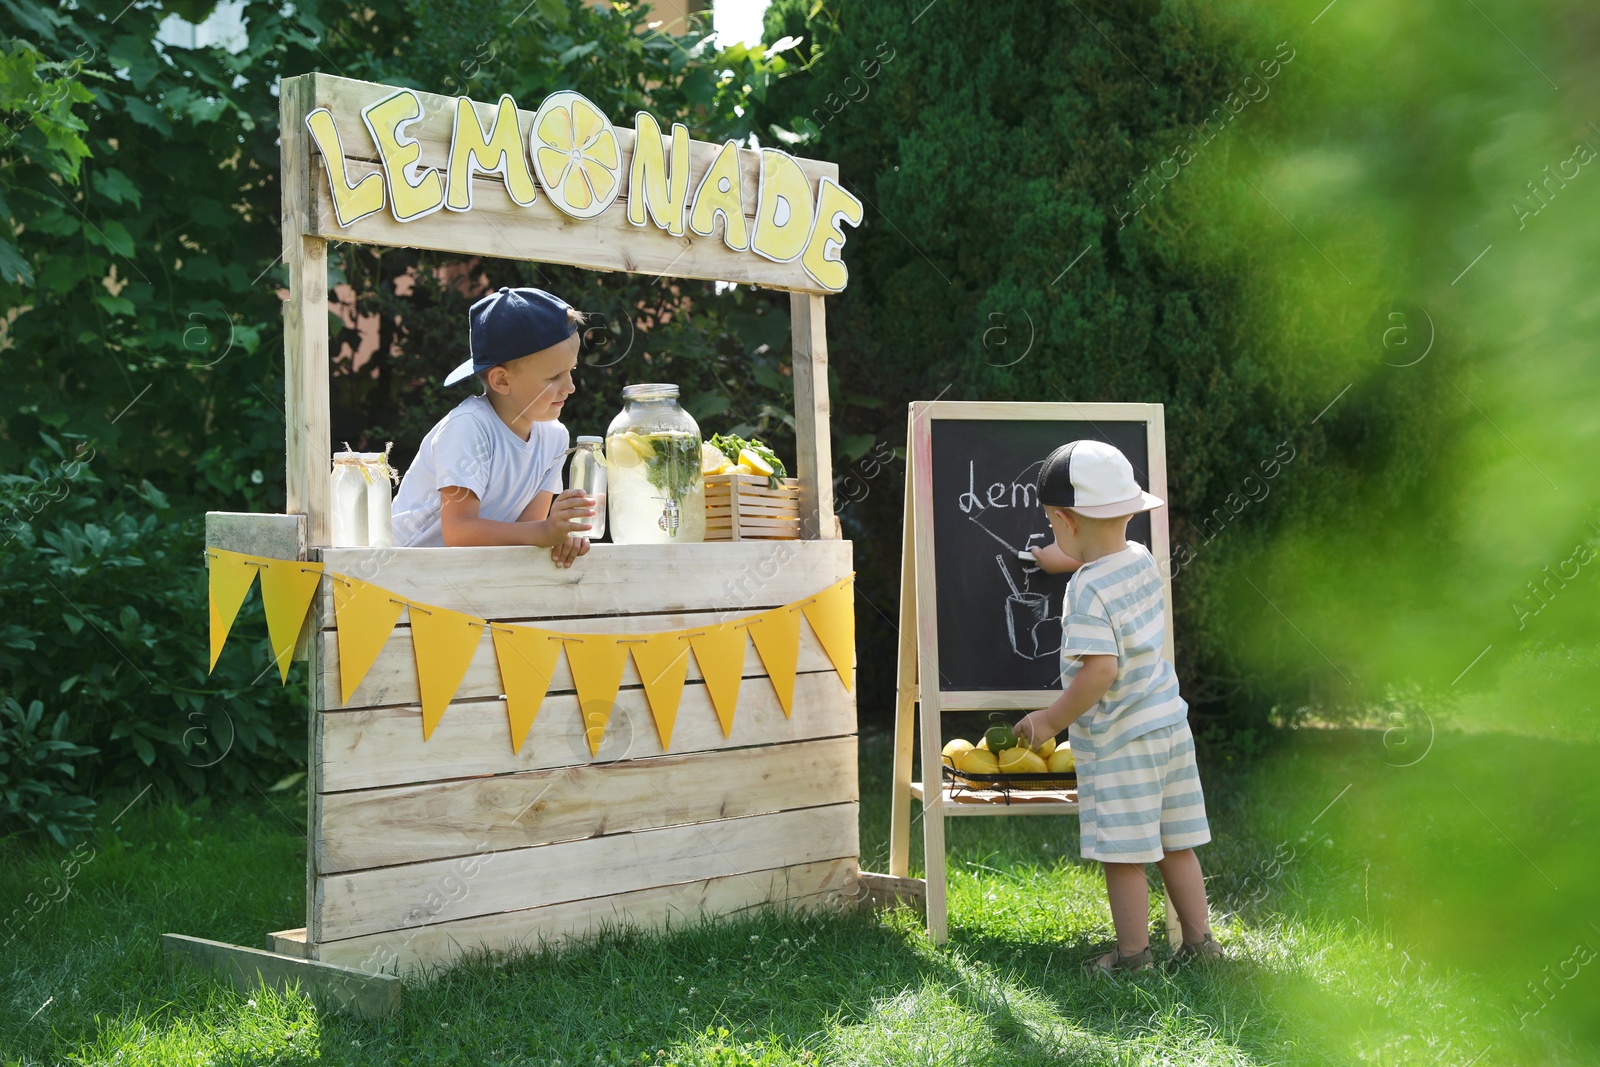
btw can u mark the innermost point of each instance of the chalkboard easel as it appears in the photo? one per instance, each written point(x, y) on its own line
point(979, 627)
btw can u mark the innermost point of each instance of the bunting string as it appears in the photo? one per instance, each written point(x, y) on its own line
point(445, 643)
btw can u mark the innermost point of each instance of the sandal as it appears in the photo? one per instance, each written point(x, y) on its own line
point(1205, 951)
point(1100, 967)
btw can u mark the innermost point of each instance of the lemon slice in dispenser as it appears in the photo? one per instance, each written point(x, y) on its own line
point(621, 452)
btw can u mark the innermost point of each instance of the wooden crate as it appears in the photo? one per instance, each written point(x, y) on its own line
point(745, 507)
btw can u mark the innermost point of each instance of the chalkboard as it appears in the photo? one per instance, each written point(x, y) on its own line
point(999, 618)
point(984, 635)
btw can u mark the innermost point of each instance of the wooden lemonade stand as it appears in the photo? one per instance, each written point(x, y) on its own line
point(428, 844)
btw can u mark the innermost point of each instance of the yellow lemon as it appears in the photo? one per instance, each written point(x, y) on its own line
point(1020, 761)
point(754, 463)
point(978, 761)
point(983, 744)
point(955, 750)
point(1062, 760)
point(576, 154)
point(712, 461)
point(1047, 748)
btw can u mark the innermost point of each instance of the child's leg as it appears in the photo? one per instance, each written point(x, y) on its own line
point(1130, 905)
point(1186, 888)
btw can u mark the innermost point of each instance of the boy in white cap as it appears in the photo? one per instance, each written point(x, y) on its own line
point(1139, 791)
point(489, 473)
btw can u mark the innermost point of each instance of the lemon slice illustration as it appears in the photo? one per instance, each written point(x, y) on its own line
point(576, 154)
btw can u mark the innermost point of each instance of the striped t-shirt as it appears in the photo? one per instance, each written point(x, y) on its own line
point(1114, 607)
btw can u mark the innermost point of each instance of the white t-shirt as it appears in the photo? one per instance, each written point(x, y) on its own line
point(473, 448)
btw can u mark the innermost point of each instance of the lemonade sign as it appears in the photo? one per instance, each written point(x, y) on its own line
point(575, 155)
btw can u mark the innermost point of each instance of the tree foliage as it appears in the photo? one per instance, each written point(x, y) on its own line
point(141, 338)
point(1045, 223)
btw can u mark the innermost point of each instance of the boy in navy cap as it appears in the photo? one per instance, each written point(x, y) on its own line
point(490, 472)
point(1139, 797)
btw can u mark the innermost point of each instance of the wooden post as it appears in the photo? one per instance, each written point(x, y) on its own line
point(812, 445)
point(305, 396)
point(1160, 533)
point(933, 864)
point(317, 618)
point(305, 323)
point(905, 726)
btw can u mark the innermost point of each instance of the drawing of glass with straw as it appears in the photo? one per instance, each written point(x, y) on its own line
point(1026, 611)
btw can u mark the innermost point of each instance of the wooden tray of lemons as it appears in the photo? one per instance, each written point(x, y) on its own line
point(1000, 761)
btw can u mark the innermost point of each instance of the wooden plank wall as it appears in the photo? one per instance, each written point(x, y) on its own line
point(425, 851)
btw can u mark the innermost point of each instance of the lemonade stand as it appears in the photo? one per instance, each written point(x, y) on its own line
point(504, 753)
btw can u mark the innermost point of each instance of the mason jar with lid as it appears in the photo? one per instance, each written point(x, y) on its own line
point(361, 499)
point(348, 501)
point(656, 492)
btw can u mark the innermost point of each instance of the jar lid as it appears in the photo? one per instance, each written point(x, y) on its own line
point(587, 440)
point(649, 391)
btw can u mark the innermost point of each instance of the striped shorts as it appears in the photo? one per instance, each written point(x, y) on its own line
point(1143, 800)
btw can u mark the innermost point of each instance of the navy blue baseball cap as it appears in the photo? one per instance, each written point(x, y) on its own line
point(513, 323)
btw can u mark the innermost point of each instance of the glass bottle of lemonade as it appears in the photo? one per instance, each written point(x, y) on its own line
point(656, 492)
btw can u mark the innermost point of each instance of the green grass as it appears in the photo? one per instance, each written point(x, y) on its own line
point(1332, 963)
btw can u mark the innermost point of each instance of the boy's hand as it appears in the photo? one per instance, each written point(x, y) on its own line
point(1031, 731)
point(1052, 559)
point(568, 550)
point(569, 514)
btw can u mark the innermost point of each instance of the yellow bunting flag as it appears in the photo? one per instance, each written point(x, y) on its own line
point(231, 575)
point(527, 658)
point(443, 643)
point(720, 652)
point(663, 661)
point(287, 586)
point(365, 615)
point(596, 661)
point(832, 614)
point(777, 637)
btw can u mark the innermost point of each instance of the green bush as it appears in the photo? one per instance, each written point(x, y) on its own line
point(37, 772)
point(106, 625)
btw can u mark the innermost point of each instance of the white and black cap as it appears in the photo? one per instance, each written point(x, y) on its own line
point(1095, 480)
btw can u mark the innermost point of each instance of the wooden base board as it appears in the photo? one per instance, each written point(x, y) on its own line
point(824, 885)
point(819, 885)
point(250, 968)
point(891, 891)
point(289, 943)
point(329, 984)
